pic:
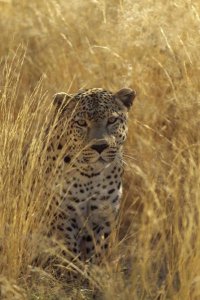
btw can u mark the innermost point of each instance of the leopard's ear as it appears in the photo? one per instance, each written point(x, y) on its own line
point(61, 99)
point(126, 97)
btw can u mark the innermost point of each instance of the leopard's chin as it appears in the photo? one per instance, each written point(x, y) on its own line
point(101, 164)
point(97, 164)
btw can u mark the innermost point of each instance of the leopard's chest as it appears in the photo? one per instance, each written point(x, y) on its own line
point(91, 196)
point(95, 189)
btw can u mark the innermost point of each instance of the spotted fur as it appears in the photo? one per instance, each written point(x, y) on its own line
point(87, 152)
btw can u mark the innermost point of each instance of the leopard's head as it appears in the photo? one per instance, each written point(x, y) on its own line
point(94, 123)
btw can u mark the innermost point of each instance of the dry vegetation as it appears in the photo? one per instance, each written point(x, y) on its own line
point(151, 46)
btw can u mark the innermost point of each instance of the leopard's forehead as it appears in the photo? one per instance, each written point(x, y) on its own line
point(96, 103)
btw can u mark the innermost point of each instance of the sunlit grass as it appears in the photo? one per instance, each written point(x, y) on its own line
point(152, 47)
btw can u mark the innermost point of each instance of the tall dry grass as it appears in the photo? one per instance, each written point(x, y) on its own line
point(153, 47)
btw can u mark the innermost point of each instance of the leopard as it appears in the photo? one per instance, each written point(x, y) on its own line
point(86, 148)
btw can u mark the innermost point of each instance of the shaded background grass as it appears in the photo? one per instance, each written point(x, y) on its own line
point(153, 47)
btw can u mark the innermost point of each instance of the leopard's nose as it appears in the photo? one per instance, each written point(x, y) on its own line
point(99, 148)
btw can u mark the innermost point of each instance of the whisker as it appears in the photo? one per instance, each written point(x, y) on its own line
point(124, 162)
point(128, 156)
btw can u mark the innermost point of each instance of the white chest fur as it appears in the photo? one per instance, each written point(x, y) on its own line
point(92, 195)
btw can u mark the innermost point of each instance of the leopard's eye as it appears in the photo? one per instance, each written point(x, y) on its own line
point(81, 123)
point(112, 120)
